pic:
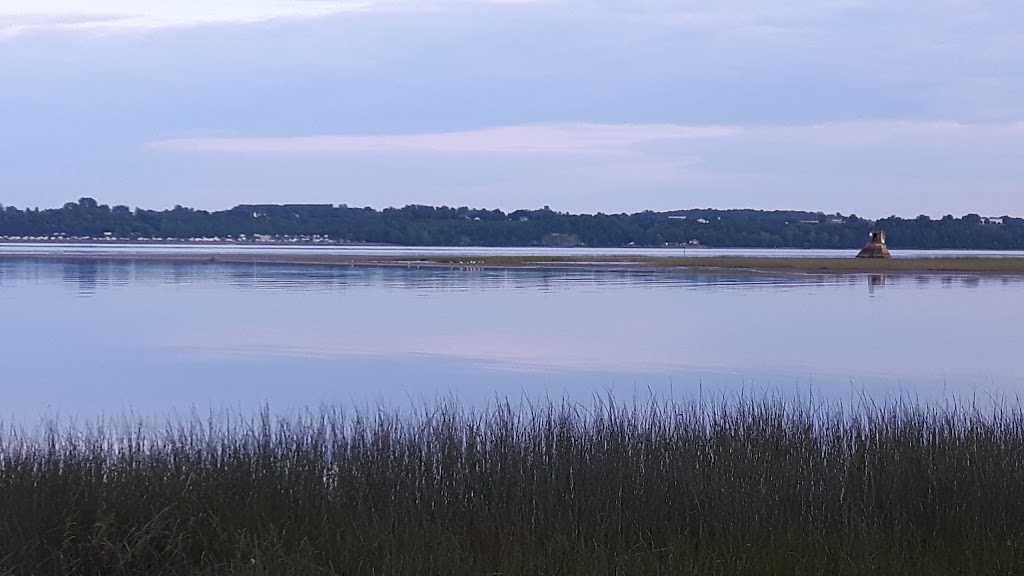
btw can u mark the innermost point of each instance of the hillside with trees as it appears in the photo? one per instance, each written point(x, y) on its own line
point(417, 225)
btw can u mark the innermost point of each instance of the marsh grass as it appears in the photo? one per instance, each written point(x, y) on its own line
point(751, 486)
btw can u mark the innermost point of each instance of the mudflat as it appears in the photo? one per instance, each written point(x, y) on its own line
point(966, 264)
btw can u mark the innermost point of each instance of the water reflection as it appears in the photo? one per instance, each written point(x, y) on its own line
point(88, 276)
point(168, 334)
point(875, 280)
point(84, 276)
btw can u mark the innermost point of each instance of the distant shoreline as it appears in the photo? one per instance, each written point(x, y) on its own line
point(825, 265)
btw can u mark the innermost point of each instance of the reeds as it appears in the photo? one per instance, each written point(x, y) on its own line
point(752, 486)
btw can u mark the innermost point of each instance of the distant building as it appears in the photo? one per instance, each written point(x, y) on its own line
point(991, 220)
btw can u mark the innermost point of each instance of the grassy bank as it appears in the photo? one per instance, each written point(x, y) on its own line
point(746, 487)
point(1002, 265)
point(959, 264)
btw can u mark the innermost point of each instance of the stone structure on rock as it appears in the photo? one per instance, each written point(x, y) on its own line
point(875, 248)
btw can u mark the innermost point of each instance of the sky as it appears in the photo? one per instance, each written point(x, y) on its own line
point(866, 107)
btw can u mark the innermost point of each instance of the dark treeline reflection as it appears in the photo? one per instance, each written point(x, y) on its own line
point(88, 276)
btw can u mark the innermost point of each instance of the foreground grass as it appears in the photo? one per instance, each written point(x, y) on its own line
point(956, 264)
point(745, 487)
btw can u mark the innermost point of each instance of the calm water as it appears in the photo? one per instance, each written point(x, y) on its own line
point(88, 338)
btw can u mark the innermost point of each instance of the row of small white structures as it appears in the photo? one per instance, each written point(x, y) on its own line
point(109, 237)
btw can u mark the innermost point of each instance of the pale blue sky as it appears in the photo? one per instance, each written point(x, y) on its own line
point(871, 107)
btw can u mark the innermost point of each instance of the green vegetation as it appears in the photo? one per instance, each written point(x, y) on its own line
point(754, 486)
point(444, 226)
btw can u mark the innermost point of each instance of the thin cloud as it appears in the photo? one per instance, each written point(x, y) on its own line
point(593, 138)
point(112, 15)
point(874, 168)
point(529, 139)
point(115, 15)
point(12, 26)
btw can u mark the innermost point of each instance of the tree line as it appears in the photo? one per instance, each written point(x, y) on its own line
point(417, 225)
